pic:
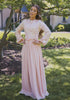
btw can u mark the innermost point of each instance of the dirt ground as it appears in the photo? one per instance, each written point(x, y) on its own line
point(11, 61)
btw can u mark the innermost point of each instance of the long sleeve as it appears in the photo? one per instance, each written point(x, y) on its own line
point(18, 31)
point(47, 33)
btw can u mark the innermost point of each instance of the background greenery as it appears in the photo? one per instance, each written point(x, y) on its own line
point(57, 77)
point(56, 39)
point(57, 72)
point(62, 27)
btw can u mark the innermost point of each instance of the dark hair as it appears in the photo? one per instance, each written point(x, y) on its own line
point(38, 17)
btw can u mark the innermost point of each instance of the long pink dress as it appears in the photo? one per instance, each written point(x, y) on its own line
point(33, 72)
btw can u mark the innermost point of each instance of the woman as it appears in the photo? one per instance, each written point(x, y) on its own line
point(33, 73)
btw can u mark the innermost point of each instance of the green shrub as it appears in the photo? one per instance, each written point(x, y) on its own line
point(67, 27)
point(51, 43)
point(57, 42)
point(1, 35)
point(59, 27)
point(62, 27)
point(11, 37)
point(50, 27)
point(23, 35)
point(12, 23)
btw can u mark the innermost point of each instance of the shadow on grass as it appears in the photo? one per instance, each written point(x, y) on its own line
point(10, 61)
point(57, 78)
point(10, 87)
point(58, 84)
point(61, 57)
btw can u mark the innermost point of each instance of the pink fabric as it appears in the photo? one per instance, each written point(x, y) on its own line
point(33, 72)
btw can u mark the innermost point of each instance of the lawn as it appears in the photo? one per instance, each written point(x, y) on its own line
point(54, 34)
point(65, 35)
point(57, 77)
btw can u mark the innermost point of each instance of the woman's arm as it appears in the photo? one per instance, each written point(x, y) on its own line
point(18, 32)
point(47, 33)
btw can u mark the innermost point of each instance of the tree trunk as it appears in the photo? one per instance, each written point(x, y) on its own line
point(1, 53)
point(3, 41)
point(2, 44)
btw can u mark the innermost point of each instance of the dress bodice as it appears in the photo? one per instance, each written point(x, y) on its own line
point(32, 29)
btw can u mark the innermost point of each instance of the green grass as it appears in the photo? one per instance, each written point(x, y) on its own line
point(58, 73)
point(57, 77)
point(65, 35)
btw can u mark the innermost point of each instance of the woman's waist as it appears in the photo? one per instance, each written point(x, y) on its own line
point(30, 39)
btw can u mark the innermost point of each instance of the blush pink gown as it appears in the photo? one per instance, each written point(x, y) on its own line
point(33, 72)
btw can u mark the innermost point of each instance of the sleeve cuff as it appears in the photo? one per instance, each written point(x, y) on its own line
point(18, 37)
point(43, 42)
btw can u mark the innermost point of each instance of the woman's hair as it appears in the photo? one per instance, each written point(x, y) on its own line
point(38, 17)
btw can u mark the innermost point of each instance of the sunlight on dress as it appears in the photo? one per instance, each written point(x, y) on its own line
point(33, 72)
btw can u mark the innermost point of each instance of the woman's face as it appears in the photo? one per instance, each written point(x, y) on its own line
point(33, 12)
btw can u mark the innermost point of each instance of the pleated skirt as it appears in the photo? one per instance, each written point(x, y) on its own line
point(33, 72)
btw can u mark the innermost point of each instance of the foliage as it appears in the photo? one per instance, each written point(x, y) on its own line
point(59, 27)
point(57, 77)
point(12, 23)
point(57, 42)
point(15, 4)
point(50, 27)
point(62, 27)
point(56, 7)
point(11, 36)
point(60, 34)
point(1, 35)
point(59, 7)
point(53, 41)
point(67, 27)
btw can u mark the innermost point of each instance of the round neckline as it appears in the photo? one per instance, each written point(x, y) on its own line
point(32, 20)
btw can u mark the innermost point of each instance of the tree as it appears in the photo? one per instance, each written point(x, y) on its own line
point(12, 5)
point(58, 7)
point(48, 7)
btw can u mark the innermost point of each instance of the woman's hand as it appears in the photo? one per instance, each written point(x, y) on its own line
point(22, 41)
point(37, 42)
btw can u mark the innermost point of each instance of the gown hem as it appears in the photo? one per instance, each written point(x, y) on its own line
point(26, 93)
